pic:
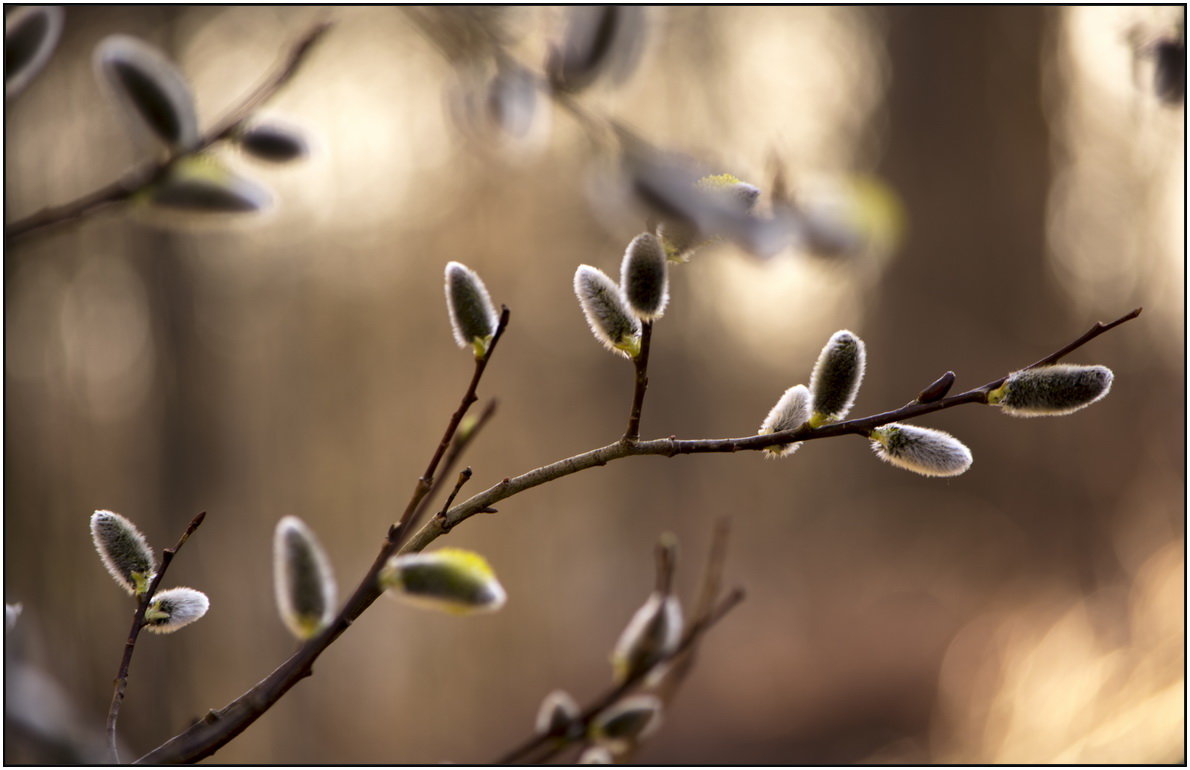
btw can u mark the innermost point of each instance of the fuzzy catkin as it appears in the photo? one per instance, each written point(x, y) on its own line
point(644, 277)
point(449, 579)
point(791, 411)
point(607, 311)
point(174, 608)
point(151, 87)
point(627, 721)
point(651, 636)
point(921, 450)
point(557, 712)
point(473, 318)
point(837, 375)
point(305, 585)
point(1054, 390)
point(124, 551)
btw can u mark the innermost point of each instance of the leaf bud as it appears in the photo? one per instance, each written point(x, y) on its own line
point(1051, 390)
point(151, 87)
point(607, 311)
point(473, 318)
point(124, 551)
point(451, 579)
point(791, 411)
point(170, 610)
point(643, 277)
point(557, 713)
point(921, 450)
point(650, 637)
point(626, 722)
point(273, 142)
point(836, 378)
point(302, 577)
point(30, 35)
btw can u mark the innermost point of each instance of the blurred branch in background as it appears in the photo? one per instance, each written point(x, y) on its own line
point(141, 179)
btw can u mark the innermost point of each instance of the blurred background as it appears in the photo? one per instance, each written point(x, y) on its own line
point(1029, 180)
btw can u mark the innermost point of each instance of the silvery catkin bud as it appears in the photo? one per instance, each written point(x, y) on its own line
point(651, 636)
point(305, 585)
point(473, 318)
point(921, 450)
point(557, 713)
point(791, 411)
point(170, 610)
point(629, 720)
point(451, 579)
point(124, 551)
point(1051, 390)
point(643, 277)
point(607, 311)
point(836, 377)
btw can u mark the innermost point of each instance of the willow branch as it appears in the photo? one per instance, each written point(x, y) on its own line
point(138, 622)
point(669, 447)
point(147, 173)
point(551, 744)
point(214, 731)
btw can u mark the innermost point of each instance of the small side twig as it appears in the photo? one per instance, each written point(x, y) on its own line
point(136, 179)
point(641, 365)
point(138, 622)
point(526, 752)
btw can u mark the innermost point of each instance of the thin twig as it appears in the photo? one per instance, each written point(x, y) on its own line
point(553, 743)
point(138, 622)
point(712, 580)
point(668, 447)
point(207, 736)
point(136, 179)
point(641, 365)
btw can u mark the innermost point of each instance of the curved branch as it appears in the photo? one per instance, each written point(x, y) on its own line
point(668, 447)
point(217, 728)
point(139, 177)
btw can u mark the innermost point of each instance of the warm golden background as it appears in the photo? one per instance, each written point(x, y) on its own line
point(1031, 610)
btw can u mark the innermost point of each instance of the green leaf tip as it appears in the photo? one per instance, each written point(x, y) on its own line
point(451, 579)
point(607, 311)
point(175, 608)
point(302, 576)
point(1054, 390)
point(791, 411)
point(473, 317)
point(837, 375)
point(124, 551)
point(921, 450)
